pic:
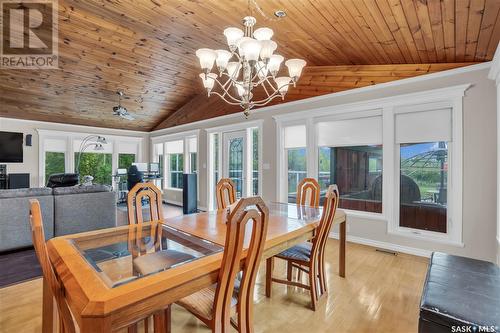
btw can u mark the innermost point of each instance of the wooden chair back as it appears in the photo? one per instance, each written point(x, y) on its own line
point(308, 191)
point(225, 193)
point(247, 209)
point(329, 209)
point(135, 217)
point(66, 324)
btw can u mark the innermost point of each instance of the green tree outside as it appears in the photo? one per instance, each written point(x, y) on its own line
point(97, 165)
point(54, 163)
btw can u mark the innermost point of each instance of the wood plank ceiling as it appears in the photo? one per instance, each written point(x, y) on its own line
point(146, 49)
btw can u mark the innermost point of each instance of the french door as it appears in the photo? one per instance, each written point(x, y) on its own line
point(234, 160)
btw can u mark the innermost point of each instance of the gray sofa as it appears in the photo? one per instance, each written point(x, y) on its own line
point(15, 231)
point(65, 210)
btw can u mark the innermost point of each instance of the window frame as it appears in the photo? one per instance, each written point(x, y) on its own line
point(220, 130)
point(114, 141)
point(453, 235)
point(450, 97)
point(179, 136)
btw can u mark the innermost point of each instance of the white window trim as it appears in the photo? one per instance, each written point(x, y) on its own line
point(281, 153)
point(70, 137)
point(451, 97)
point(247, 126)
point(184, 137)
point(454, 182)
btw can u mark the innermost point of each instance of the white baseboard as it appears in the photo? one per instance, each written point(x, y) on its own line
point(384, 245)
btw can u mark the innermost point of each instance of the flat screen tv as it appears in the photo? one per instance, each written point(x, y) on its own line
point(11, 147)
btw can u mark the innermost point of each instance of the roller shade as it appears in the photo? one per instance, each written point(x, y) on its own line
point(54, 145)
point(127, 148)
point(350, 132)
point(295, 136)
point(193, 145)
point(174, 147)
point(423, 126)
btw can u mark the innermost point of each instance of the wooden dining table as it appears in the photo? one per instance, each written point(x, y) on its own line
point(105, 293)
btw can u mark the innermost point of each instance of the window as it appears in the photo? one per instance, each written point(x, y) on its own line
point(357, 171)
point(193, 154)
point(97, 165)
point(296, 158)
point(176, 170)
point(255, 161)
point(296, 162)
point(158, 158)
point(423, 140)
point(350, 155)
point(175, 160)
point(423, 186)
point(54, 163)
point(216, 148)
point(192, 162)
point(125, 160)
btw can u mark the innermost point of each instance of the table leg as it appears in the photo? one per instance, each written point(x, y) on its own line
point(342, 249)
point(47, 309)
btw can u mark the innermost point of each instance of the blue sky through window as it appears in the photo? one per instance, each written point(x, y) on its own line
point(415, 149)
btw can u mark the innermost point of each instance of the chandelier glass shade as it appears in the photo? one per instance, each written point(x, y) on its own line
point(249, 63)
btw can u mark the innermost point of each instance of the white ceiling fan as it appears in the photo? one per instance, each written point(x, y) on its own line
point(120, 110)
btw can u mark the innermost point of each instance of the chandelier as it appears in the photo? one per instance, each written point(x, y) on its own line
point(248, 64)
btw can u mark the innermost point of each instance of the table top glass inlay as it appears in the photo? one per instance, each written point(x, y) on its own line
point(122, 255)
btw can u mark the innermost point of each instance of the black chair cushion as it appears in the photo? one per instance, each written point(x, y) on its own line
point(460, 291)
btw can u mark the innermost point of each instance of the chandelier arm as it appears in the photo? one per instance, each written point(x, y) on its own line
point(265, 101)
point(226, 84)
point(274, 95)
point(226, 92)
point(265, 89)
point(225, 100)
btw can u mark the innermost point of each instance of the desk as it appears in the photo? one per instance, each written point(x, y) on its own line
point(104, 293)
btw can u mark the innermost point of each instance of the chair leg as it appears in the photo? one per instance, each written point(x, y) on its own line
point(146, 325)
point(269, 275)
point(322, 274)
point(289, 270)
point(312, 283)
point(299, 275)
point(168, 319)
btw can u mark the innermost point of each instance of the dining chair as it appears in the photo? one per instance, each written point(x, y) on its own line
point(66, 324)
point(150, 256)
point(308, 191)
point(214, 305)
point(225, 193)
point(309, 257)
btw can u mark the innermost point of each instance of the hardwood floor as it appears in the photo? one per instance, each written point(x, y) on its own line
point(381, 293)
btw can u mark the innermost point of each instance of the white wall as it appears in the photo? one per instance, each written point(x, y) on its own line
point(30, 160)
point(479, 157)
point(494, 75)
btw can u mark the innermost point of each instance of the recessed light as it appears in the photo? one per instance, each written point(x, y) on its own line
point(280, 13)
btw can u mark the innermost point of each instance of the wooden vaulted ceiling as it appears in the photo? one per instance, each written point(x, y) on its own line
point(146, 48)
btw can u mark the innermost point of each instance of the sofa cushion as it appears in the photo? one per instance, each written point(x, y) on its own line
point(461, 291)
point(25, 192)
point(15, 230)
point(81, 189)
point(81, 212)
